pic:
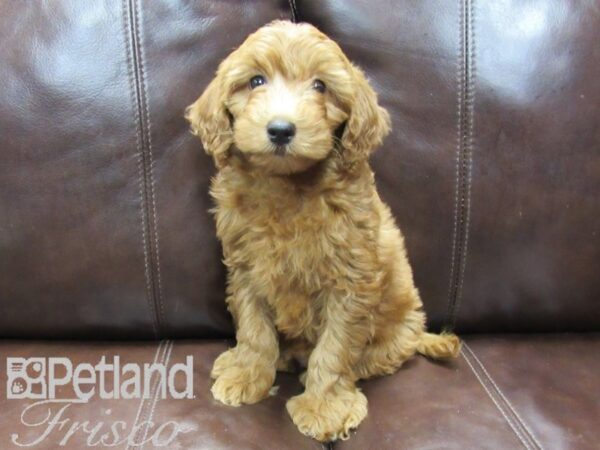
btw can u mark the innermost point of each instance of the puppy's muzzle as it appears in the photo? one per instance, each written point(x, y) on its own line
point(281, 132)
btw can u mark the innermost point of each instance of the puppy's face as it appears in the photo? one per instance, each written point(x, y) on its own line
point(280, 98)
point(284, 120)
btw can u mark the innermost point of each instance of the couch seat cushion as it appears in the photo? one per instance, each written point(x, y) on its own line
point(504, 392)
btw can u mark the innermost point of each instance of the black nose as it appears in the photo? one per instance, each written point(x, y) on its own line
point(281, 132)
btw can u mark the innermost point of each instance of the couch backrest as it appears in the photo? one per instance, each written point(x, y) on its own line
point(492, 170)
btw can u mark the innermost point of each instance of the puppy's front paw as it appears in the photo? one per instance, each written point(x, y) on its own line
point(330, 416)
point(224, 361)
point(236, 384)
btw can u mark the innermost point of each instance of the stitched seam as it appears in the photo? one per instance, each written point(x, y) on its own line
point(146, 411)
point(140, 159)
point(523, 424)
point(148, 122)
point(465, 127)
point(151, 240)
point(153, 392)
point(142, 400)
point(294, 10)
point(459, 114)
point(470, 113)
point(155, 398)
point(492, 397)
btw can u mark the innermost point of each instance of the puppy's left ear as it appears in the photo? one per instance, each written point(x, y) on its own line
point(210, 121)
point(368, 123)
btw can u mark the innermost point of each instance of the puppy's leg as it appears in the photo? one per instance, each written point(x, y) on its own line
point(245, 373)
point(400, 329)
point(394, 345)
point(385, 355)
point(331, 404)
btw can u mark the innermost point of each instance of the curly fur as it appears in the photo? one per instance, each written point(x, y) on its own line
point(317, 269)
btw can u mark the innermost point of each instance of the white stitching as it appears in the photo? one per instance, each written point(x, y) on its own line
point(155, 397)
point(143, 400)
point(131, 76)
point(514, 411)
point(491, 396)
point(150, 154)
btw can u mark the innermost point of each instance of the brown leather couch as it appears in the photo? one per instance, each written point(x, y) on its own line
point(492, 170)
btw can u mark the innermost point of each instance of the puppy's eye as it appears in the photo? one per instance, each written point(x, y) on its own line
point(318, 86)
point(257, 81)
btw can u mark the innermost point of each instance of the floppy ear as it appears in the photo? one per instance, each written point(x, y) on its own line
point(368, 122)
point(210, 121)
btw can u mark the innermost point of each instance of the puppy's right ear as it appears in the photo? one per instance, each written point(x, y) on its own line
point(210, 121)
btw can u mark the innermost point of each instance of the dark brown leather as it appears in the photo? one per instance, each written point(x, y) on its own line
point(533, 392)
point(431, 405)
point(503, 393)
point(103, 191)
point(492, 170)
point(534, 244)
point(547, 385)
point(105, 231)
point(264, 425)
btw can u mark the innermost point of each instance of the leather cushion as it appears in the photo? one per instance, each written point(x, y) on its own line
point(503, 392)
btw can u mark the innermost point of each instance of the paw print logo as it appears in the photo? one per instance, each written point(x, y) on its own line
point(18, 388)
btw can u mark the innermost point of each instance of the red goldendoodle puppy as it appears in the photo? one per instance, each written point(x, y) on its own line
point(318, 272)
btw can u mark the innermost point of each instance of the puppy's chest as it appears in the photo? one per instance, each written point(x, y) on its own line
point(285, 243)
point(288, 248)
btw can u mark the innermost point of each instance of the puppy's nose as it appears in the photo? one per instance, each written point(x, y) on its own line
point(281, 132)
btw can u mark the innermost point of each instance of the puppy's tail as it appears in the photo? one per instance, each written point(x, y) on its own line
point(439, 346)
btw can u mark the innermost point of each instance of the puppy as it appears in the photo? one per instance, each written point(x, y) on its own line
point(317, 269)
